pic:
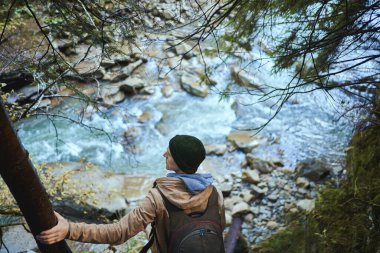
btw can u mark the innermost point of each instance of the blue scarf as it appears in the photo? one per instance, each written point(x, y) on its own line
point(195, 183)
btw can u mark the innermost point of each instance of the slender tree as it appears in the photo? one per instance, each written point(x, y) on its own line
point(20, 175)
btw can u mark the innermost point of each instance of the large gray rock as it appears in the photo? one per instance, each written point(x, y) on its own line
point(250, 176)
point(184, 50)
point(244, 140)
point(259, 192)
point(132, 85)
point(17, 239)
point(167, 14)
point(85, 190)
point(259, 164)
point(313, 169)
point(225, 188)
point(231, 201)
point(306, 204)
point(121, 73)
point(272, 225)
point(240, 208)
point(216, 149)
point(242, 78)
point(302, 182)
point(194, 85)
point(111, 94)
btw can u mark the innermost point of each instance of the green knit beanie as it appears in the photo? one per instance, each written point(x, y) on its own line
point(188, 152)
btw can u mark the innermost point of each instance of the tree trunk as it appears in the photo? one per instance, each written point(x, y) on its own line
point(20, 175)
point(233, 234)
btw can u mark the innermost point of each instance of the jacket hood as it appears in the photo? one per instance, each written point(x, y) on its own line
point(195, 183)
point(175, 190)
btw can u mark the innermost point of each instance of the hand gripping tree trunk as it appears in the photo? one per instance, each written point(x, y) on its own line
point(20, 175)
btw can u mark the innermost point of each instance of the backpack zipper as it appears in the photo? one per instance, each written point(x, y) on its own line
point(200, 232)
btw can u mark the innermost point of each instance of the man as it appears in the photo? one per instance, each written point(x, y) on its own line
point(185, 189)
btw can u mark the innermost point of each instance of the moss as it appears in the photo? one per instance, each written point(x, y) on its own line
point(300, 236)
point(345, 219)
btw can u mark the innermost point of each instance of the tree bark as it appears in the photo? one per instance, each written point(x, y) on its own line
point(20, 176)
point(233, 234)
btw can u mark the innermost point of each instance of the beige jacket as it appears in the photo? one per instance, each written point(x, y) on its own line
point(151, 209)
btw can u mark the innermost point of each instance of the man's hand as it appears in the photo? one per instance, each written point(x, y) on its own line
point(56, 233)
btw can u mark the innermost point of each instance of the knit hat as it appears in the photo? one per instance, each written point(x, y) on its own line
point(188, 152)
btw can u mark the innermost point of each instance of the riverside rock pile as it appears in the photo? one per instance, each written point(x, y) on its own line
point(264, 192)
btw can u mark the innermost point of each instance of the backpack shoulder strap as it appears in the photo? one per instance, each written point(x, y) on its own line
point(149, 244)
point(152, 234)
point(213, 199)
point(169, 206)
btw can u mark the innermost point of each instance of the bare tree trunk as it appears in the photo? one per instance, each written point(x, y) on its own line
point(233, 234)
point(20, 175)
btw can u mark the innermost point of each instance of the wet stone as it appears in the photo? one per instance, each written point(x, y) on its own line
point(250, 176)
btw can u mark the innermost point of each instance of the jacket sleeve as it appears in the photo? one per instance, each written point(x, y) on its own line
point(117, 233)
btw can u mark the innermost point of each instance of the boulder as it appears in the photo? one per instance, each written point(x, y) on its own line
point(88, 69)
point(167, 90)
point(17, 238)
point(131, 52)
point(80, 189)
point(244, 140)
point(120, 73)
point(216, 149)
point(149, 90)
point(259, 164)
point(273, 197)
point(225, 188)
point(193, 85)
point(250, 176)
point(302, 182)
point(240, 208)
point(111, 94)
point(306, 204)
point(167, 14)
point(184, 49)
point(272, 225)
point(29, 91)
point(259, 192)
point(242, 78)
point(132, 85)
point(174, 61)
point(247, 196)
point(145, 117)
point(230, 202)
point(313, 169)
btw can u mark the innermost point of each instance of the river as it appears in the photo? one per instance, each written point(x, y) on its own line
point(307, 125)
